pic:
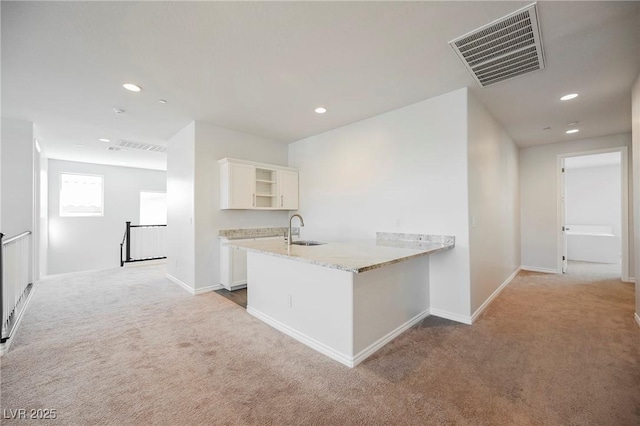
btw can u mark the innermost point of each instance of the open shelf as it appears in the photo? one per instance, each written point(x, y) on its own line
point(266, 188)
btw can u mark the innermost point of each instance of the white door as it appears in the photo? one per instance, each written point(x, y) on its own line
point(563, 215)
point(243, 186)
point(288, 182)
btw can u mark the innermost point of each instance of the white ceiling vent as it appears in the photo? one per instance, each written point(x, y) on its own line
point(503, 49)
point(142, 146)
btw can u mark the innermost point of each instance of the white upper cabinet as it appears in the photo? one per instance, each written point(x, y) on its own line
point(238, 186)
point(288, 182)
point(257, 186)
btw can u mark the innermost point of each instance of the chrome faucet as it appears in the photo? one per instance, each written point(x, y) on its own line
point(290, 234)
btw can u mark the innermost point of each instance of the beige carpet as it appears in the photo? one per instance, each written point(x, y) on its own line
point(127, 346)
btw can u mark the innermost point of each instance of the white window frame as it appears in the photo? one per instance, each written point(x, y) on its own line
point(140, 206)
point(63, 213)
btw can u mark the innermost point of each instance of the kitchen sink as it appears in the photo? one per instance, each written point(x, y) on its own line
point(307, 243)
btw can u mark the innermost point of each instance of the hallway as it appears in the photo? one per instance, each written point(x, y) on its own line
point(127, 346)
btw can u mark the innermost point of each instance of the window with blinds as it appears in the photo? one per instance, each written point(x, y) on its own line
point(81, 195)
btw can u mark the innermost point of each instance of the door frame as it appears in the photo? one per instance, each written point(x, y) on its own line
point(624, 176)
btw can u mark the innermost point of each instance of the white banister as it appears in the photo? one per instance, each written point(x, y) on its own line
point(16, 281)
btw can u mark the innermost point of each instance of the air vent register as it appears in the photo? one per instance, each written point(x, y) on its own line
point(503, 49)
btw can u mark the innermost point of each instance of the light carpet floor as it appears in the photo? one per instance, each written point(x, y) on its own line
point(126, 346)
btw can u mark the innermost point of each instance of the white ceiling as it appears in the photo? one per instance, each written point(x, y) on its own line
point(594, 160)
point(263, 67)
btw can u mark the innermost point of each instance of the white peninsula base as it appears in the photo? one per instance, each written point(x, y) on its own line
point(344, 315)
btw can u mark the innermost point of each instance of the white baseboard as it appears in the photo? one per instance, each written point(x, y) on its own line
point(180, 283)
point(208, 289)
point(375, 346)
point(536, 269)
point(4, 347)
point(194, 291)
point(629, 280)
point(451, 316)
point(495, 294)
point(637, 318)
point(303, 338)
point(349, 361)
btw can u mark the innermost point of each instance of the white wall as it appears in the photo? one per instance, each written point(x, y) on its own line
point(494, 212)
point(180, 205)
point(635, 118)
point(43, 217)
point(402, 171)
point(87, 243)
point(538, 198)
point(594, 197)
point(17, 177)
point(193, 181)
point(212, 144)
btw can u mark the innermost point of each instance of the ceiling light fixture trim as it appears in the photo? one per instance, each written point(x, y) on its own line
point(569, 97)
point(132, 87)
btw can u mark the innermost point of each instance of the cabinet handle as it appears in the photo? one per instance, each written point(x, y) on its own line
point(254, 200)
point(281, 200)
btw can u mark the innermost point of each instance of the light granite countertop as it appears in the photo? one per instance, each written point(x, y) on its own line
point(356, 256)
point(240, 233)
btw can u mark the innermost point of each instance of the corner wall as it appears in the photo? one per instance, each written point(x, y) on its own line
point(402, 171)
point(17, 178)
point(494, 205)
point(193, 197)
point(538, 198)
point(180, 205)
point(211, 144)
point(635, 119)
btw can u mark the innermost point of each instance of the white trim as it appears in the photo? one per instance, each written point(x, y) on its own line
point(624, 177)
point(4, 347)
point(629, 280)
point(303, 338)
point(194, 291)
point(372, 348)
point(495, 294)
point(349, 361)
point(208, 289)
point(180, 283)
point(637, 318)
point(451, 316)
point(543, 270)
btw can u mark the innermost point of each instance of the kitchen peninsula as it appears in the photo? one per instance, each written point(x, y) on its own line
point(343, 299)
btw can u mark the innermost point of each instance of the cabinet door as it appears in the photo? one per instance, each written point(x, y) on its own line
point(233, 266)
point(288, 183)
point(242, 186)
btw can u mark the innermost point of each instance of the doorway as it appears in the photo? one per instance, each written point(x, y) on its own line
point(593, 213)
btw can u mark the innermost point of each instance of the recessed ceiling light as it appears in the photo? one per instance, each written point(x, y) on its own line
point(572, 131)
point(321, 110)
point(104, 140)
point(547, 128)
point(162, 101)
point(79, 144)
point(132, 87)
point(572, 123)
point(569, 97)
point(119, 111)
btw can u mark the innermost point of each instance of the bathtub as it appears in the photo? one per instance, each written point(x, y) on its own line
point(593, 243)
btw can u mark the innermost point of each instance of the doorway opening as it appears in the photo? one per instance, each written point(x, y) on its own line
point(593, 213)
